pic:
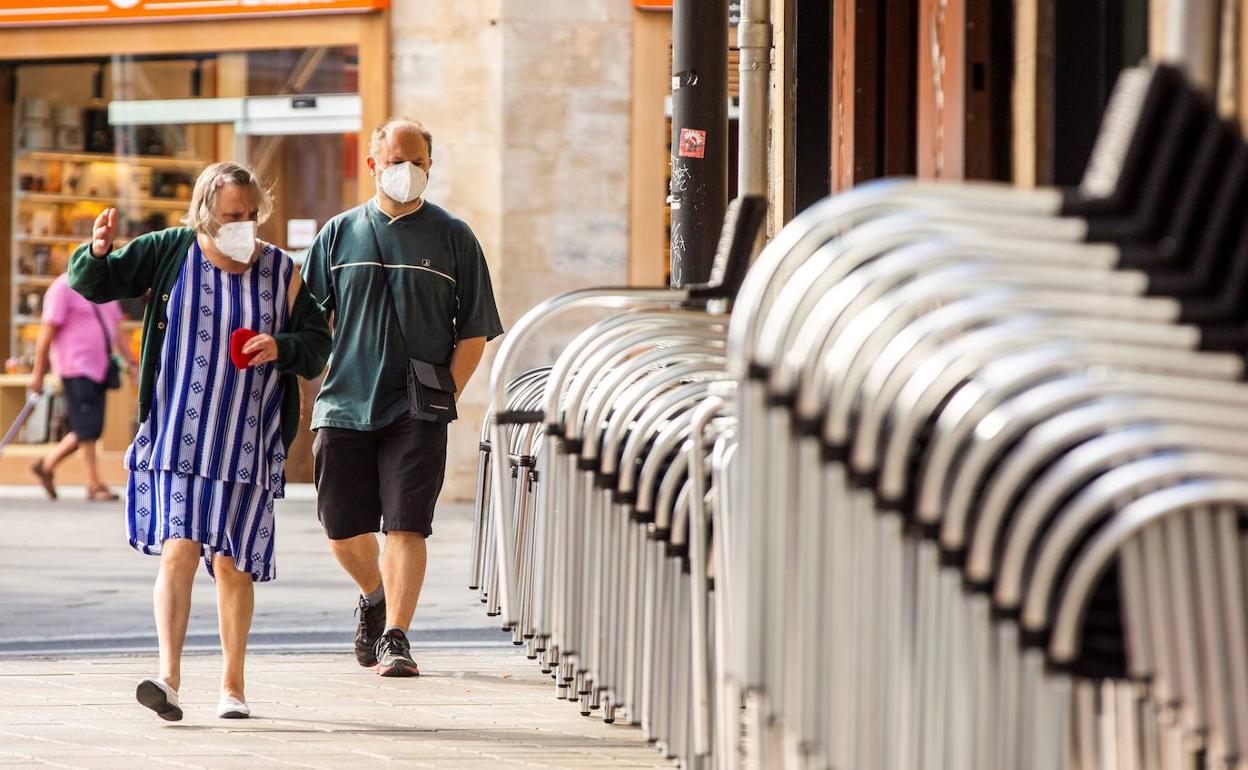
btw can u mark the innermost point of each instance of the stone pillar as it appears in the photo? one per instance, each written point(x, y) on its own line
point(529, 108)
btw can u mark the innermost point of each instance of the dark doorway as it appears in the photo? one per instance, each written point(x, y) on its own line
point(813, 102)
point(1093, 40)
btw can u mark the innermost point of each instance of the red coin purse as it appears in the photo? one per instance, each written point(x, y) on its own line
point(237, 340)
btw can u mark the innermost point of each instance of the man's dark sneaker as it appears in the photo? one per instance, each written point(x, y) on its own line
point(372, 623)
point(394, 656)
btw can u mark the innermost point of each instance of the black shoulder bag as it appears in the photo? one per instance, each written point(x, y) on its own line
point(430, 387)
point(112, 379)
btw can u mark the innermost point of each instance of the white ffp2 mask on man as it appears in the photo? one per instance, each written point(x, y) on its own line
point(403, 182)
point(237, 240)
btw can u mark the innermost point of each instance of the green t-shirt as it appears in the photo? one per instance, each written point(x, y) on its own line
point(440, 286)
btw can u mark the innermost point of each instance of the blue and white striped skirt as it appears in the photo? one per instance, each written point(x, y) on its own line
point(230, 518)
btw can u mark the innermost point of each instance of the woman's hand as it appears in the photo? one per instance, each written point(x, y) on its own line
point(102, 238)
point(263, 347)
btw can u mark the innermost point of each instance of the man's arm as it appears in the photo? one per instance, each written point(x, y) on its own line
point(43, 346)
point(122, 349)
point(55, 314)
point(304, 347)
point(316, 275)
point(464, 361)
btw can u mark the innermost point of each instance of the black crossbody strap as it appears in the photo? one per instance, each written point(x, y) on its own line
point(108, 345)
point(430, 389)
point(385, 280)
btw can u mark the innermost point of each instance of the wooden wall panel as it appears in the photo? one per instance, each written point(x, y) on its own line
point(7, 97)
point(899, 80)
point(1023, 108)
point(965, 70)
point(1230, 58)
point(375, 90)
point(1243, 70)
point(873, 90)
point(855, 84)
point(843, 82)
point(651, 83)
point(941, 89)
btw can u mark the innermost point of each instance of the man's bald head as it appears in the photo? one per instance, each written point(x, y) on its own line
point(395, 126)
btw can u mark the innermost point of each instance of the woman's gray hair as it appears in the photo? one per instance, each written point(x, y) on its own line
point(201, 216)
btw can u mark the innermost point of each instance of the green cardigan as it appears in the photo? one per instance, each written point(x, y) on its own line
point(154, 261)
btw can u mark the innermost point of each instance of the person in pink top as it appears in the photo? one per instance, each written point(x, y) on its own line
point(80, 337)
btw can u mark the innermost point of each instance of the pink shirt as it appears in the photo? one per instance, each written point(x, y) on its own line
point(79, 347)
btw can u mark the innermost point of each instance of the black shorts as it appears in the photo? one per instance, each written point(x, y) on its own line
point(84, 406)
point(385, 480)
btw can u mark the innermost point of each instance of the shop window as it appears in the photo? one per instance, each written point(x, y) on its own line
point(76, 149)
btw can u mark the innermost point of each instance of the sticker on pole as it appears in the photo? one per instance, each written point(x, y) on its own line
point(692, 143)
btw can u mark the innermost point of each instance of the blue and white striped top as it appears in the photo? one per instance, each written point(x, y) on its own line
point(209, 419)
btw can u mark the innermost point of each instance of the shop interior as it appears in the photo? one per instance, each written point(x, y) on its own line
point(133, 133)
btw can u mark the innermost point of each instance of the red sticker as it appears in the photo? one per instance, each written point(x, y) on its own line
point(692, 143)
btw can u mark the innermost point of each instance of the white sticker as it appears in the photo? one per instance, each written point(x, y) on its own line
point(300, 233)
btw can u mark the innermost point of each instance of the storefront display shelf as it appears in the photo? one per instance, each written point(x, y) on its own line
point(23, 381)
point(129, 203)
point(34, 280)
point(49, 240)
point(155, 161)
point(58, 240)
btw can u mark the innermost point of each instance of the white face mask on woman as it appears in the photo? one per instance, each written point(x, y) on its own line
point(237, 240)
point(403, 182)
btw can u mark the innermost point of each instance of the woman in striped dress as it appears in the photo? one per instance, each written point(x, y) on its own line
point(207, 462)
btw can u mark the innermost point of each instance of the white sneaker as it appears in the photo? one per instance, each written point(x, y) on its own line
point(159, 697)
point(230, 707)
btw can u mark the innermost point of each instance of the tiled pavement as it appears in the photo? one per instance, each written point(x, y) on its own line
point(76, 635)
point(469, 709)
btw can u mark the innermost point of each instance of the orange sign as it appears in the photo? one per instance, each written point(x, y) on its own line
point(653, 5)
point(43, 12)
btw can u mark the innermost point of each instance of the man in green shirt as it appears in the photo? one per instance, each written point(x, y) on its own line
point(400, 278)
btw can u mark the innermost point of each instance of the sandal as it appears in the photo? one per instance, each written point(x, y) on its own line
point(102, 494)
point(45, 478)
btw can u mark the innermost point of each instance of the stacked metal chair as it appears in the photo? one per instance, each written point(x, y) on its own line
point(598, 481)
point(957, 483)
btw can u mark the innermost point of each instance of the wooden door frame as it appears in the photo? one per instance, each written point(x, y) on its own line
point(369, 32)
point(648, 157)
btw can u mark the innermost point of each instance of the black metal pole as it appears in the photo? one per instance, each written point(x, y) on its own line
point(699, 193)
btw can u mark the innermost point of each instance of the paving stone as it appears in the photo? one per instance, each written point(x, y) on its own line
point(72, 705)
point(332, 722)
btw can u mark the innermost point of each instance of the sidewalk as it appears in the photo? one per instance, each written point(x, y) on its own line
point(68, 579)
point(76, 634)
point(469, 709)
